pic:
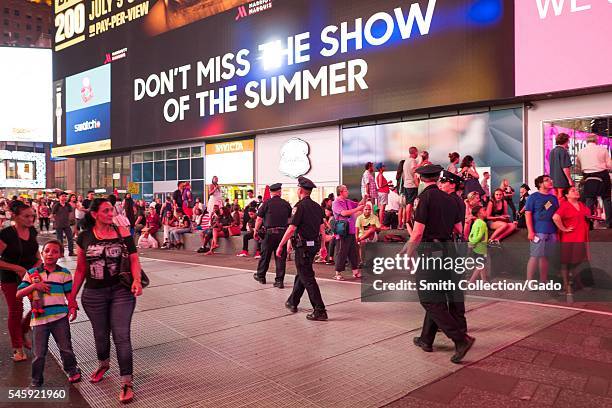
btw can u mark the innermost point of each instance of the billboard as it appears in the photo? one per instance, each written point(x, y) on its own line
point(22, 169)
point(87, 107)
point(562, 45)
point(270, 65)
point(26, 102)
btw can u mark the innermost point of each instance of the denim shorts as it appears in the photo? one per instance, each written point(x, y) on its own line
point(545, 246)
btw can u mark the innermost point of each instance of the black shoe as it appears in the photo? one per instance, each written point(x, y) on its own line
point(462, 349)
point(317, 315)
point(279, 285)
point(420, 343)
point(201, 250)
point(258, 279)
point(291, 307)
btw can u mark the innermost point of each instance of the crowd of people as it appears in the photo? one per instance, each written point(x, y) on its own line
point(559, 211)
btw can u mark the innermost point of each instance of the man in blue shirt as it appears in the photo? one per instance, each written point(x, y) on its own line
point(542, 232)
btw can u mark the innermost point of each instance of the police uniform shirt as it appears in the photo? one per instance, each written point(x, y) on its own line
point(275, 212)
point(461, 205)
point(438, 212)
point(307, 217)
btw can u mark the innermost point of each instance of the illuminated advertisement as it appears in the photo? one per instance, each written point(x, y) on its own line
point(262, 65)
point(494, 139)
point(22, 169)
point(25, 104)
point(562, 45)
point(577, 142)
point(88, 113)
point(232, 162)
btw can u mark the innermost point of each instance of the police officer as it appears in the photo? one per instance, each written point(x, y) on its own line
point(449, 183)
point(306, 230)
point(274, 214)
point(435, 218)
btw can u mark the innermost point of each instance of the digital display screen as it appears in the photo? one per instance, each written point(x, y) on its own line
point(183, 70)
point(562, 45)
point(26, 101)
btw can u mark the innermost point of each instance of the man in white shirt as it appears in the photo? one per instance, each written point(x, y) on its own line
point(390, 219)
point(411, 185)
point(595, 163)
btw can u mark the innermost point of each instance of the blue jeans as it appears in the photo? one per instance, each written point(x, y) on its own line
point(176, 234)
point(60, 330)
point(110, 310)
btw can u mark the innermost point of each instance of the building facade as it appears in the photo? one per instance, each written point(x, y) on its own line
point(322, 96)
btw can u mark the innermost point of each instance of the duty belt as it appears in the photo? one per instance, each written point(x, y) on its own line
point(276, 229)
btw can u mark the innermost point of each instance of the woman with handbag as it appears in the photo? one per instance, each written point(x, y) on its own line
point(345, 214)
point(107, 262)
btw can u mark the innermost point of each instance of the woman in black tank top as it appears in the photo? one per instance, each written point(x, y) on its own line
point(498, 219)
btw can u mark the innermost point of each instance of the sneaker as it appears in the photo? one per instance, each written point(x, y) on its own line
point(243, 254)
point(339, 277)
point(201, 250)
point(257, 255)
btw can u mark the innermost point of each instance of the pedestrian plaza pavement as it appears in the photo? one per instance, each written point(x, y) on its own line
point(210, 336)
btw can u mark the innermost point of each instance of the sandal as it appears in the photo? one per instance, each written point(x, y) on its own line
point(98, 375)
point(127, 393)
point(19, 356)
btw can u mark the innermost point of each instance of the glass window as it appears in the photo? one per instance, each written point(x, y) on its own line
point(171, 170)
point(147, 156)
point(197, 168)
point(117, 168)
point(137, 157)
point(183, 169)
point(196, 151)
point(197, 189)
point(137, 172)
point(183, 153)
point(147, 188)
point(158, 155)
point(147, 172)
point(94, 172)
point(86, 174)
point(171, 154)
point(158, 171)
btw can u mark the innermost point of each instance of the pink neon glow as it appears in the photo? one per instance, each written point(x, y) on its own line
point(568, 51)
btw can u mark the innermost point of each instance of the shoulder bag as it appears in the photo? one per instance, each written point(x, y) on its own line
point(125, 266)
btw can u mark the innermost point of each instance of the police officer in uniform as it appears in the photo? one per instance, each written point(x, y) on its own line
point(274, 214)
point(305, 231)
point(449, 183)
point(436, 216)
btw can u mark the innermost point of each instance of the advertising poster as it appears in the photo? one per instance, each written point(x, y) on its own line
point(183, 70)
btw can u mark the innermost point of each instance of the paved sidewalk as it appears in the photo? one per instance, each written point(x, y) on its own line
point(212, 336)
point(568, 364)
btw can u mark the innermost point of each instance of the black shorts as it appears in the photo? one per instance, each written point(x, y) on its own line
point(410, 194)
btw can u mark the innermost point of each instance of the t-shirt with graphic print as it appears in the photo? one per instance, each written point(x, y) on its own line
point(103, 258)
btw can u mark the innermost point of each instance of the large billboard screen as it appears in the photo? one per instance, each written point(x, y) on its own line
point(26, 102)
point(262, 65)
point(562, 45)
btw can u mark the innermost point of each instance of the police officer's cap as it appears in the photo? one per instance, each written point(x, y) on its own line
point(276, 186)
point(431, 170)
point(305, 183)
point(451, 177)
